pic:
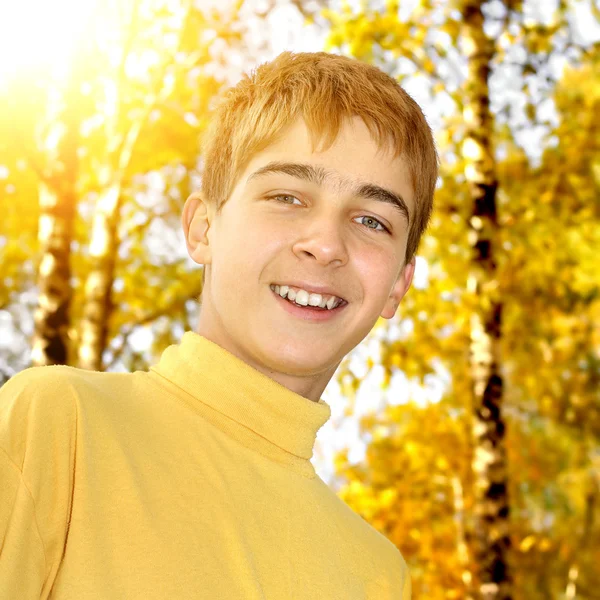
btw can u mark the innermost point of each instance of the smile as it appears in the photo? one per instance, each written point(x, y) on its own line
point(309, 313)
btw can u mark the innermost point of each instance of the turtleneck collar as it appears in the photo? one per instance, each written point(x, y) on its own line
point(213, 376)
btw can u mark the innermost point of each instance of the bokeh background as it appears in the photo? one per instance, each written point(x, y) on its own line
point(467, 428)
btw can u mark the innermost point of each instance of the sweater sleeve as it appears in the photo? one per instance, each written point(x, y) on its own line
point(38, 424)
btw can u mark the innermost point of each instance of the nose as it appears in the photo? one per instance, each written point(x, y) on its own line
point(322, 239)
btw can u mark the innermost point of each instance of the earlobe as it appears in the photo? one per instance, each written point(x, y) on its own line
point(195, 224)
point(399, 290)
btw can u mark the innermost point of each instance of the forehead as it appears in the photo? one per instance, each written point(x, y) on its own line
point(354, 159)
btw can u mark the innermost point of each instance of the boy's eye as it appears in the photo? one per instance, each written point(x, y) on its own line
point(285, 196)
point(383, 229)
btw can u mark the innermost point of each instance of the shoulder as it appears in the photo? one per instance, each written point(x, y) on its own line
point(369, 541)
point(38, 406)
point(395, 570)
point(55, 383)
point(34, 385)
point(62, 389)
point(391, 567)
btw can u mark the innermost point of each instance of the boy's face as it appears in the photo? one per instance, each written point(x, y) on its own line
point(281, 227)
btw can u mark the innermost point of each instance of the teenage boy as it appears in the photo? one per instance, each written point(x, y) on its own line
point(193, 480)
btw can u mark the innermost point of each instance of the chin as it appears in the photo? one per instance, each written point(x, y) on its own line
point(305, 361)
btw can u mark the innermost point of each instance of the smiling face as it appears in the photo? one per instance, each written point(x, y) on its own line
point(337, 218)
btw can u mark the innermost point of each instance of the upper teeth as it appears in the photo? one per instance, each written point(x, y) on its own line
point(306, 298)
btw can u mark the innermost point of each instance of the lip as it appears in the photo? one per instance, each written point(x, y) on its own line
point(310, 287)
point(309, 313)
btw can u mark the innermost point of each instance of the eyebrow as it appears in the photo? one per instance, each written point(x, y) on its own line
point(319, 175)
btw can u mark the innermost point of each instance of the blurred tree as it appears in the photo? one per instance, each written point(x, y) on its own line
point(92, 138)
point(156, 108)
point(49, 145)
point(57, 198)
point(491, 506)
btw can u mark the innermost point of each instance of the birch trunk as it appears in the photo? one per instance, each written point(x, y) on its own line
point(57, 197)
point(491, 510)
point(93, 329)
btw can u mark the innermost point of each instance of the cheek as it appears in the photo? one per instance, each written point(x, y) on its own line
point(375, 269)
point(264, 235)
point(246, 246)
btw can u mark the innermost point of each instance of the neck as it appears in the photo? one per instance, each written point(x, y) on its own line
point(309, 385)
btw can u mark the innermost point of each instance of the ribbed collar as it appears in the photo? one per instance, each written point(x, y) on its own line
point(213, 376)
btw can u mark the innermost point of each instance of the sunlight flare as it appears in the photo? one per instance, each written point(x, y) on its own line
point(37, 36)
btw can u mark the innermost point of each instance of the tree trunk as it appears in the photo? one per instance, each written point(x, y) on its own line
point(93, 331)
point(491, 537)
point(57, 197)
point(98, 287)
point(104, 244)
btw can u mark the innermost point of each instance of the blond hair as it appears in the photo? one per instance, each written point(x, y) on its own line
point(324, 89)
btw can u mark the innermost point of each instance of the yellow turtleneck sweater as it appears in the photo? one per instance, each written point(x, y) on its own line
point(192, 480)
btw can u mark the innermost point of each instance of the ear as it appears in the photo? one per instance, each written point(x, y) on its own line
point(195, 223)
point(399, 290)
